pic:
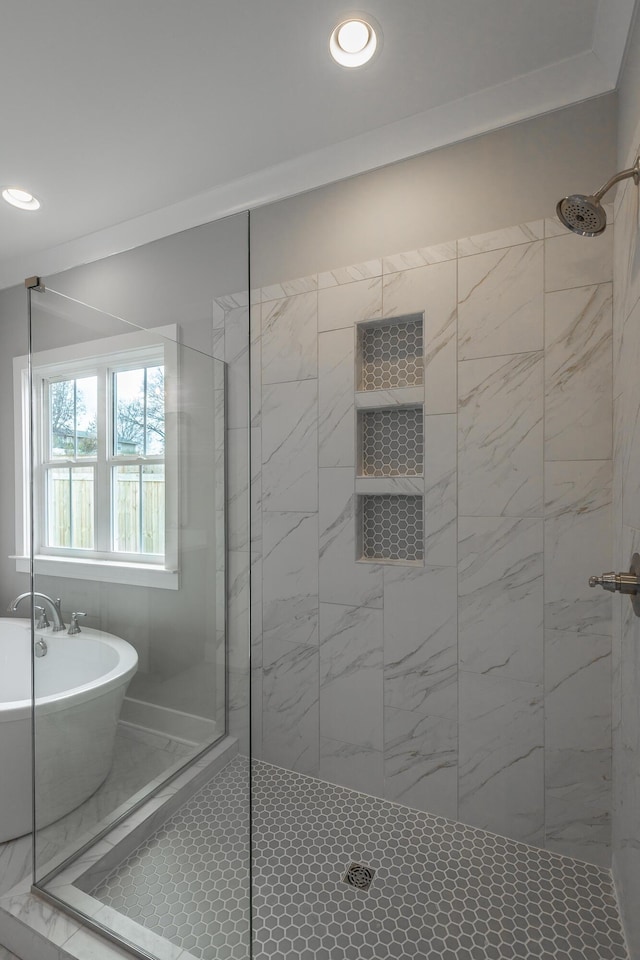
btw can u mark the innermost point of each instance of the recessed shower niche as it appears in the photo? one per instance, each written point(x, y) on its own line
point(390, 353)
point(390, 439)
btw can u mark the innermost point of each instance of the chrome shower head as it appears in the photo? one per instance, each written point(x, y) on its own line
point(584, 214)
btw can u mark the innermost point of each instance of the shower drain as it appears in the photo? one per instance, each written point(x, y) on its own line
point(359, 876)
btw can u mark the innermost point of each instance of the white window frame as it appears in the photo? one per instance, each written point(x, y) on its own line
point(103, 564)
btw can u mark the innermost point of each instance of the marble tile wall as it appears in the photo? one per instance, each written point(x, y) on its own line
point(477, 685)
point(626, 538)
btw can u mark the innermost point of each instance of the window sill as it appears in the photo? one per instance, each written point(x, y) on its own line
point(101, 571)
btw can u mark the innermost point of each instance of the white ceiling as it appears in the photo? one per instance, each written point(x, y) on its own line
point(130, 119)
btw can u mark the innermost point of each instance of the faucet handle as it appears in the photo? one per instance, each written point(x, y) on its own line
point(43, 622)
point(73, 626)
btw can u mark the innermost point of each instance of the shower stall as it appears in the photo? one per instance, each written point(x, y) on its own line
point(317, 669)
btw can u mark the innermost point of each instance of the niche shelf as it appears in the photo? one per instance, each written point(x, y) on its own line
point(391, 528)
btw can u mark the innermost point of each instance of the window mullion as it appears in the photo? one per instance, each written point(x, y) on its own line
point(103, 478)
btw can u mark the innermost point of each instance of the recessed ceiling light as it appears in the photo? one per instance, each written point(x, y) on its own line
point(354, 41)
point(20, 198)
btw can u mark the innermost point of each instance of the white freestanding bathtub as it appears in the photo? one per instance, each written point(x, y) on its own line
point(79, 684)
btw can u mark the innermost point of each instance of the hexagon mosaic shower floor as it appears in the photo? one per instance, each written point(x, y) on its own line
point(441, 890)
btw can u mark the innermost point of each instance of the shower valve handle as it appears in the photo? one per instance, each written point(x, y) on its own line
point(616, 582)
point(627, 583)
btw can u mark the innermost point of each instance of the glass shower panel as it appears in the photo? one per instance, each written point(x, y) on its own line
point(135, 646)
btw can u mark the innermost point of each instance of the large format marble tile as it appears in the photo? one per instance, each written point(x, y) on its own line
point(578, 372)
point(367, 270)
point(420, 640)
point(290, 705)
point(289, 288)
point(237, 469)
point(236, 356)
point(336, 388)
point(422, 257)
point(290, 339)
point(501, 302)
point(505, 237)
point(570, 261)
point(501, 758)
point(578, 804)
point(629, 423)
point(430, 290)
point(578, 745)
point(351, 664)
point(500, 597)
point(626, 253)
point(441, 489)
point(290, 446)
point(577, 544)
point(500, 436)
point(341, 307)
point(577, 691)
point(255, 363)
point(290, 577)
point(238, 614)
point(421, 762)
point(350, 765)
point(342, 578)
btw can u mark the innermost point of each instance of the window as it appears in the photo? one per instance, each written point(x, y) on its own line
point(105, 454)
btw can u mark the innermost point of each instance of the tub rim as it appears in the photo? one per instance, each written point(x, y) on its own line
point(121, 673)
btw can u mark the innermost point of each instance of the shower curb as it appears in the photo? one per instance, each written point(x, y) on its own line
point(32, 924)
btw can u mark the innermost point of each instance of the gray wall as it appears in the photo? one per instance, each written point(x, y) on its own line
point(183, 279)
point(626, 632)
point(504, 177)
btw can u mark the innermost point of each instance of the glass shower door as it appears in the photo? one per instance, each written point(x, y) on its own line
point(138, 780)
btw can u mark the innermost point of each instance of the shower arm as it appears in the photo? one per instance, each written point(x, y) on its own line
point(633, 171)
